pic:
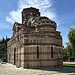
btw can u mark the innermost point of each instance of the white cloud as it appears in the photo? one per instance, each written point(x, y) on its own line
point(45, 7)
point(9, 20)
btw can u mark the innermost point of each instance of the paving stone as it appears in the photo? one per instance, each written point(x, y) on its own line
point(9, 69)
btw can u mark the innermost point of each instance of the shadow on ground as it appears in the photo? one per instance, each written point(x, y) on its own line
point(60, 70)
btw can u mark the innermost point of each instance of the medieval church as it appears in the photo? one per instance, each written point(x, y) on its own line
point(35, 43)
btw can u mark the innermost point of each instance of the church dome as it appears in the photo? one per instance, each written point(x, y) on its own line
point(42, 20)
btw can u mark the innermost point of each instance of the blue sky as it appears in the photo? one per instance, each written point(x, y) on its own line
point(61, 11)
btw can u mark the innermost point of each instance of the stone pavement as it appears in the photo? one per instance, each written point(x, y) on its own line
point(9, 69)
point(69, 62)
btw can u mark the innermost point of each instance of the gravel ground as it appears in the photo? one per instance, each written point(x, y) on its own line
point(9, 69)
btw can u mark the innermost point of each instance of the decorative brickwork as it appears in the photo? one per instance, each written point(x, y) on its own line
point(35, 43)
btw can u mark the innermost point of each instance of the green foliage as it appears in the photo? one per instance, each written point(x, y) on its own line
point(71, 45)
point(65, 53)
point(3, 40)
point(69, 65)
point(69, 50)
point(3, 47)
point(71, 37)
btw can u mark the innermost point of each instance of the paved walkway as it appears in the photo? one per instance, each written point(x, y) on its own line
point(69, 62)
point(9, 69)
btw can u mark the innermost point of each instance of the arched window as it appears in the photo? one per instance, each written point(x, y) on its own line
point(37, 52)
point(51, 52)
point(27, 16)
point(34, 16)
point(14, 56)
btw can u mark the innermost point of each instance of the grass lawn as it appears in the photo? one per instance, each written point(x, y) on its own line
point(69, 65)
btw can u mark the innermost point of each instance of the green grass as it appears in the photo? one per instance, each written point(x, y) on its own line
point(69, 65)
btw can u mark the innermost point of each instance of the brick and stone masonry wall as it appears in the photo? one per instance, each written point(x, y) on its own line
point(25, 42)
point(30, 56)
point(26, 53)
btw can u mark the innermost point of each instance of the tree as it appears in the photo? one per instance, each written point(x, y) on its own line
point(71, 37)
point(3, 40)
point(3, 47)
point(64, 51)
point(69, 50)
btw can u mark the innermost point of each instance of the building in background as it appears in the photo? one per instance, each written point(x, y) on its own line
point(35, 43)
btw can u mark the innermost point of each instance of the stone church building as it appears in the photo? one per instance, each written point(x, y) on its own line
point(35, 43)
